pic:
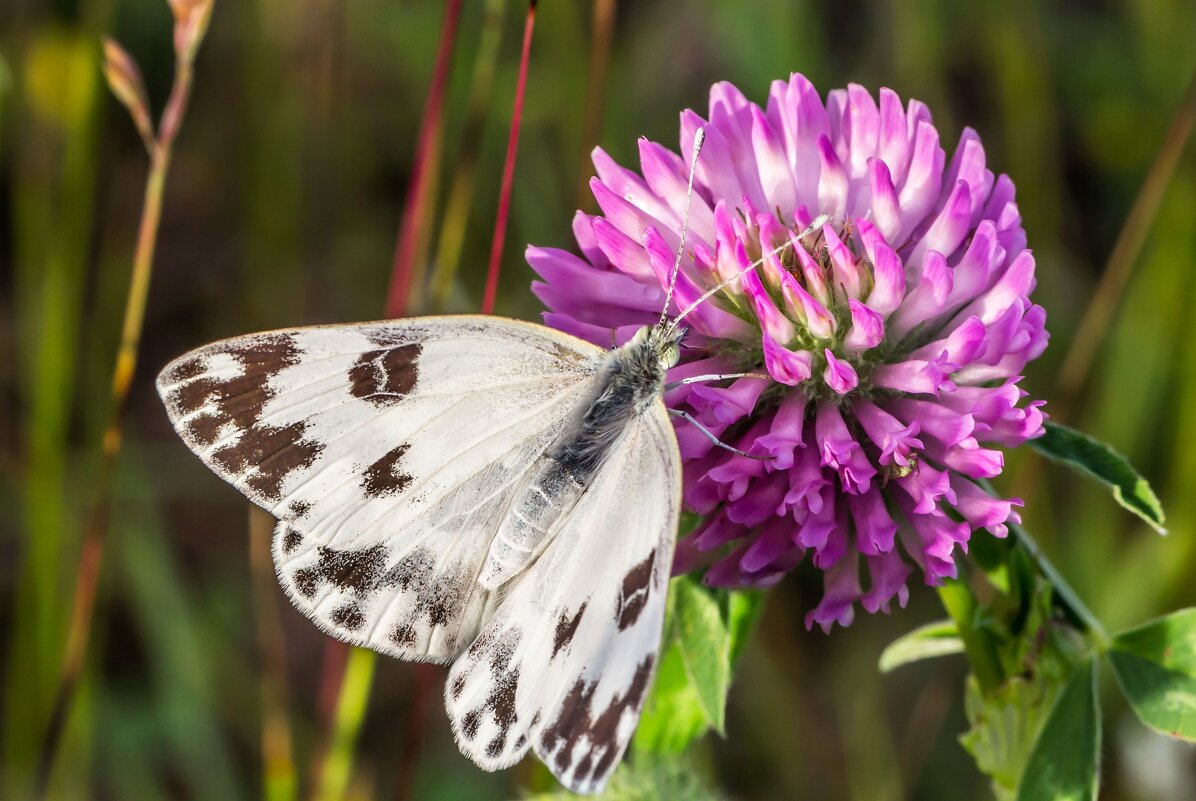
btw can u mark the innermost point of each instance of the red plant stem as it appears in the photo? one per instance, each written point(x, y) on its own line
point(425, 673)
point(508, 170)
point(426, 152)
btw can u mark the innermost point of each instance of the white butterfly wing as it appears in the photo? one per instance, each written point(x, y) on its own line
point(389, 452)
point(566, 660)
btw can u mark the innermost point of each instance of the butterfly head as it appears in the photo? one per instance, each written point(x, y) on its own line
point(662, 342)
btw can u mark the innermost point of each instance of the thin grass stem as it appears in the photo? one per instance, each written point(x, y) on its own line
point(1111, 288)
point(279, 778)
point(508, 170)
point(346, 725)
point(96, 526)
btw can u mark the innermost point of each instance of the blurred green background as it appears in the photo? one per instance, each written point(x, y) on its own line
point(282, 208)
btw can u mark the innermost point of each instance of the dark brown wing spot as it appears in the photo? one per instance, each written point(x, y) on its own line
point(240, 398)
point(571, 724)
point(500, 703)
point(383, 477)
point(444, 599)
point(268, 453)
point(383, 377)
point(356, 571)
point(275, 452)
point(577, 722)
point(470, 724)
point(297, 510)
point(349, 616)
point(566, 628)
point(440, 596)
point(403, 634)
point(291, 540)
point(634, 592)
point(605, 730)
point(584, 765)
point(188, 369)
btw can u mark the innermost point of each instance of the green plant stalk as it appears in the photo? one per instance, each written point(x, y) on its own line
point(1130, 239)
point(96, 527)
point(279, 777)
point(405, 287)
point(346, 725)
point(1069, 598)
point(192, 751)
point(1084, 616)
point(960, 604)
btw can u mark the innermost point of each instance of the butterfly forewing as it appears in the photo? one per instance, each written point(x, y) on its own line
point(389, 452)
point(564, 663)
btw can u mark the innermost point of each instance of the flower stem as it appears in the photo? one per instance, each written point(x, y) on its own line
point(1063, 591)
point(1070, 599)
point(508, 170)
point(96, 526)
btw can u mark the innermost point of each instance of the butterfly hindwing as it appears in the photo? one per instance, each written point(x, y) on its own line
point(565, 662)
point(389, 452)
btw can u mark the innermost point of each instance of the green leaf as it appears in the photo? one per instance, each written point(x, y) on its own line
point(992, 556)
point(705, 632)
point(1155, 665)
point(648, 780)
point(979, 644)
point(672, 717)
point(925, 642)
point(704, 639)
point(1097, 460)
point(1065, 762)
point(741, 609)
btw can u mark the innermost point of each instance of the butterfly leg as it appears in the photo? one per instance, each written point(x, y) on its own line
point(697, 379)
point(689, 418)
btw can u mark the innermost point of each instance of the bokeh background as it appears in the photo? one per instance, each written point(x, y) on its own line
point(282, 208)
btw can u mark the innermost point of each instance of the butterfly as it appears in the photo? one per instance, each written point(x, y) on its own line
point(471, 490)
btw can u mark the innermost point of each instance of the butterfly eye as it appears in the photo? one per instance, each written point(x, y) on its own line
point(672, 355)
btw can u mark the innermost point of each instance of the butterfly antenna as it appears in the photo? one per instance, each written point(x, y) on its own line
point(699, 138)
point(794, 241)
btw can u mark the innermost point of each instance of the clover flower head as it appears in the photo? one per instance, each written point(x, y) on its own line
point(893, 334)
